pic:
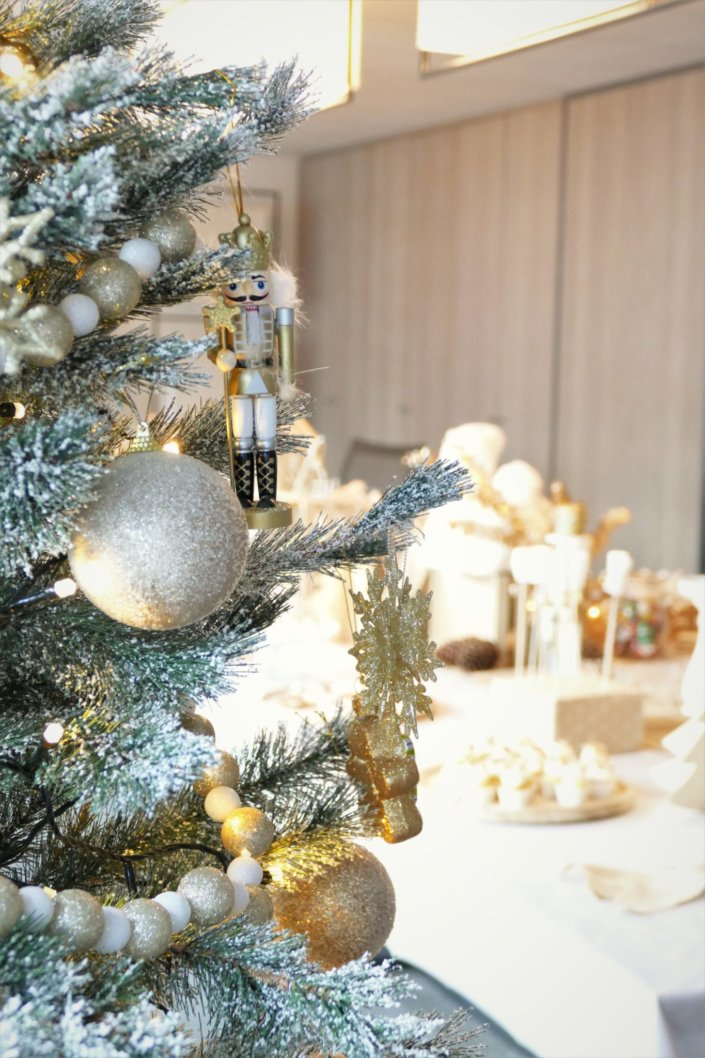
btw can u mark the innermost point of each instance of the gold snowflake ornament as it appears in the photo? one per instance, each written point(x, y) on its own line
point(393, 654)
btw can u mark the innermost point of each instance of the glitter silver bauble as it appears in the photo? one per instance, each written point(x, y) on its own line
point(151, 929)
point(344, 909)
point(10, 905)
point(114, 286)
point(173, 233)
point(163, 543)
point(55, 334)
point(78, 919)
point(210, 894)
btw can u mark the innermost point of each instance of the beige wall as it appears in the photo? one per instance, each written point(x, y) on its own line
point(543, 269)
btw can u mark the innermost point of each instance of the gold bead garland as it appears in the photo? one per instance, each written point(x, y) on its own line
point(247, 830)
point(246, 833)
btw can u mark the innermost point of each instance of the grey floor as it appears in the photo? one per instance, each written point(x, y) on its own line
point(433, 996)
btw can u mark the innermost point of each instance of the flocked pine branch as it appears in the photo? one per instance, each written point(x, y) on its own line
point(263, 999)
point(56, 31)
point(47, 471)
point(54, 1007)
point(386, 527)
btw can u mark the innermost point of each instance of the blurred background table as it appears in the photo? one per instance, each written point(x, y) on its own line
point(491, 910)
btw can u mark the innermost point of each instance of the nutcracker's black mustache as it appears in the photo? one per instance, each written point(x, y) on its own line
point(252, 297)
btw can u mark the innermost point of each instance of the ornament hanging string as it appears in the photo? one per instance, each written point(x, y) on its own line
point(237, 194)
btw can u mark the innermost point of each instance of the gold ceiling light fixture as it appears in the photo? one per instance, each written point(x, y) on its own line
point(324, 34)
point(451, 34)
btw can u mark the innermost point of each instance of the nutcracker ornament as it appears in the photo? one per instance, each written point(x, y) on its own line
point(256, 356)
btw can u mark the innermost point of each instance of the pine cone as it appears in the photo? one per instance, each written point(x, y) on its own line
point(472, 654)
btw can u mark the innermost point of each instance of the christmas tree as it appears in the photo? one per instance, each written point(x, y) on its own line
point(127, 915)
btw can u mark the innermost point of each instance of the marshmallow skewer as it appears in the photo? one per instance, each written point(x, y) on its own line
point(618, 566)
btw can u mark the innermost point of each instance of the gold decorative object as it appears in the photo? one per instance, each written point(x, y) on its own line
point(114, 285)
point(256, 356)
point(344, 911)
point(173, 233)
point(220, 315)
point(226, 773)
point(393, 657)
point(200, 725)
point(247, 830)
point(380, 763)
point(257, 244)
point(392, 651)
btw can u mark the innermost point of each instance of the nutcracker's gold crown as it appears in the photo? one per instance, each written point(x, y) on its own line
point(246, 237)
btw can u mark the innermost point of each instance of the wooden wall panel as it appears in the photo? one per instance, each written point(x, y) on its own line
point(544, 269)
point(428, 268)
point(632, 342)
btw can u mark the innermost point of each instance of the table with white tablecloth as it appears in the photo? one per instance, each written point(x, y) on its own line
point(499, 912)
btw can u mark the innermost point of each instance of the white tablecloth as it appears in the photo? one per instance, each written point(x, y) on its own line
point(490, 910)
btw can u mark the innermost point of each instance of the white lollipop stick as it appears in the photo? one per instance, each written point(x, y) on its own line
point(618, 566)
point(520, 564)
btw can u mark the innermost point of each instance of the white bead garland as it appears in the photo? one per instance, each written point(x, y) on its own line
point(220, 802)
point(116, 931)
point(81, 312)
point(33, 903)
point(245, 870)
point(144, 256)
point(178, 908)
point(37, 908)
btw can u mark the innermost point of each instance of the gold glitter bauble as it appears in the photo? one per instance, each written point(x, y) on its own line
point(78, 919)
point(197, 724)
point(10, 906)
point(163, 543)
point(225, 773)
point(344, 910)
point(56, 336)
point(260, 908)
point(173, 233)
point(210, 894)
point(247, 830)
point(150, 933)
point(114, 286)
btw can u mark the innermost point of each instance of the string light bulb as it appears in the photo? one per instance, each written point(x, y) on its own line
point(17, 66)
point(594, 612)
point(53, 733)
point(65, 587)
point(12, 409)
point(172, 446)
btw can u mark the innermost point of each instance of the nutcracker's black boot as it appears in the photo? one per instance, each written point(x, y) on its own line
point(245, 478)
point(267, 477)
